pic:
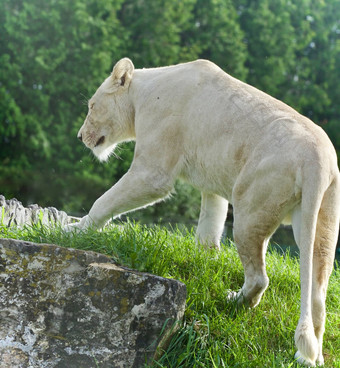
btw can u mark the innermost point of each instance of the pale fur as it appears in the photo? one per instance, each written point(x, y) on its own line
point(234, 143)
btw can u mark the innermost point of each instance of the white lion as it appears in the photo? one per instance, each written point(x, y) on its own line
point(234, 143)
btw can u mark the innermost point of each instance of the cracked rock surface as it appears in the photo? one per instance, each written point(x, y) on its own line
point(68, 308)
point(12, 212)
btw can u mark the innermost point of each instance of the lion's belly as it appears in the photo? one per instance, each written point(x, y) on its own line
point(209, 179)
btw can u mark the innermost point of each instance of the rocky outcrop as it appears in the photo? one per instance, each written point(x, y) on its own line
point(67, 308)
point(12, 212)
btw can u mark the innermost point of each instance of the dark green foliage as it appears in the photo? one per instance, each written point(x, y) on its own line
point(54, 54)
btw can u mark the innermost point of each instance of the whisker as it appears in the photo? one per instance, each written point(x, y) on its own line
point(85, 100)
point(117, 150)
point(116, 156)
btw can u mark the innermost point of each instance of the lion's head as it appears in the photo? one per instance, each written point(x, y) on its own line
point(110, 115)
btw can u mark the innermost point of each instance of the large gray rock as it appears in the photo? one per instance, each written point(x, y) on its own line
point(12, 212)
point(67, 308)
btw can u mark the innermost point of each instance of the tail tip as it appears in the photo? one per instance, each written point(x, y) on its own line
point(306, 342)
point(304, 361)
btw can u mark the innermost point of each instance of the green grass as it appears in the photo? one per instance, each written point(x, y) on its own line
point(213, 333)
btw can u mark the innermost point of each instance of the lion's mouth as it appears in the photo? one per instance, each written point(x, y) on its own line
point(100, 141)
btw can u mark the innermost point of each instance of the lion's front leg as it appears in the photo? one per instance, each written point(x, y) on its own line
point(138, 188)
point(212, 218)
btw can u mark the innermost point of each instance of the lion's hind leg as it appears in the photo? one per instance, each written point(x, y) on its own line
point(258, 211)
point(251, 247)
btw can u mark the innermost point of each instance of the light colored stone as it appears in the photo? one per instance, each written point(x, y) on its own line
point(12, 212)
point(67, 308)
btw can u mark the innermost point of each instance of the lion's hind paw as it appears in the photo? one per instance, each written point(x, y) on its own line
point(234, 296)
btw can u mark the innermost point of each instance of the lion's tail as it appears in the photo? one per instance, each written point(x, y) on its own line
point(313, 190)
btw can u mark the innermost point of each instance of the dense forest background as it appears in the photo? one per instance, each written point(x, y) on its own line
point(55, 53)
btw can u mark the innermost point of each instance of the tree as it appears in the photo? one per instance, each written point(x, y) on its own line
point(216, 34)
point(52, 54)
point(269, 36)
point(153, 29)
point(294, 54)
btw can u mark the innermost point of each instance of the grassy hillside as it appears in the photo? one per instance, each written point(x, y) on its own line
point(213, 333)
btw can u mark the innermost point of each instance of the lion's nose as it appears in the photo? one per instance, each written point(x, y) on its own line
point(80, 137)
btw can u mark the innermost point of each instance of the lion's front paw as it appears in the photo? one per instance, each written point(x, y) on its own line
point(72, 228)
point(79, 226)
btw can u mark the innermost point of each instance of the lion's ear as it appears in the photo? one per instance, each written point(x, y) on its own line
point(122, 73)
